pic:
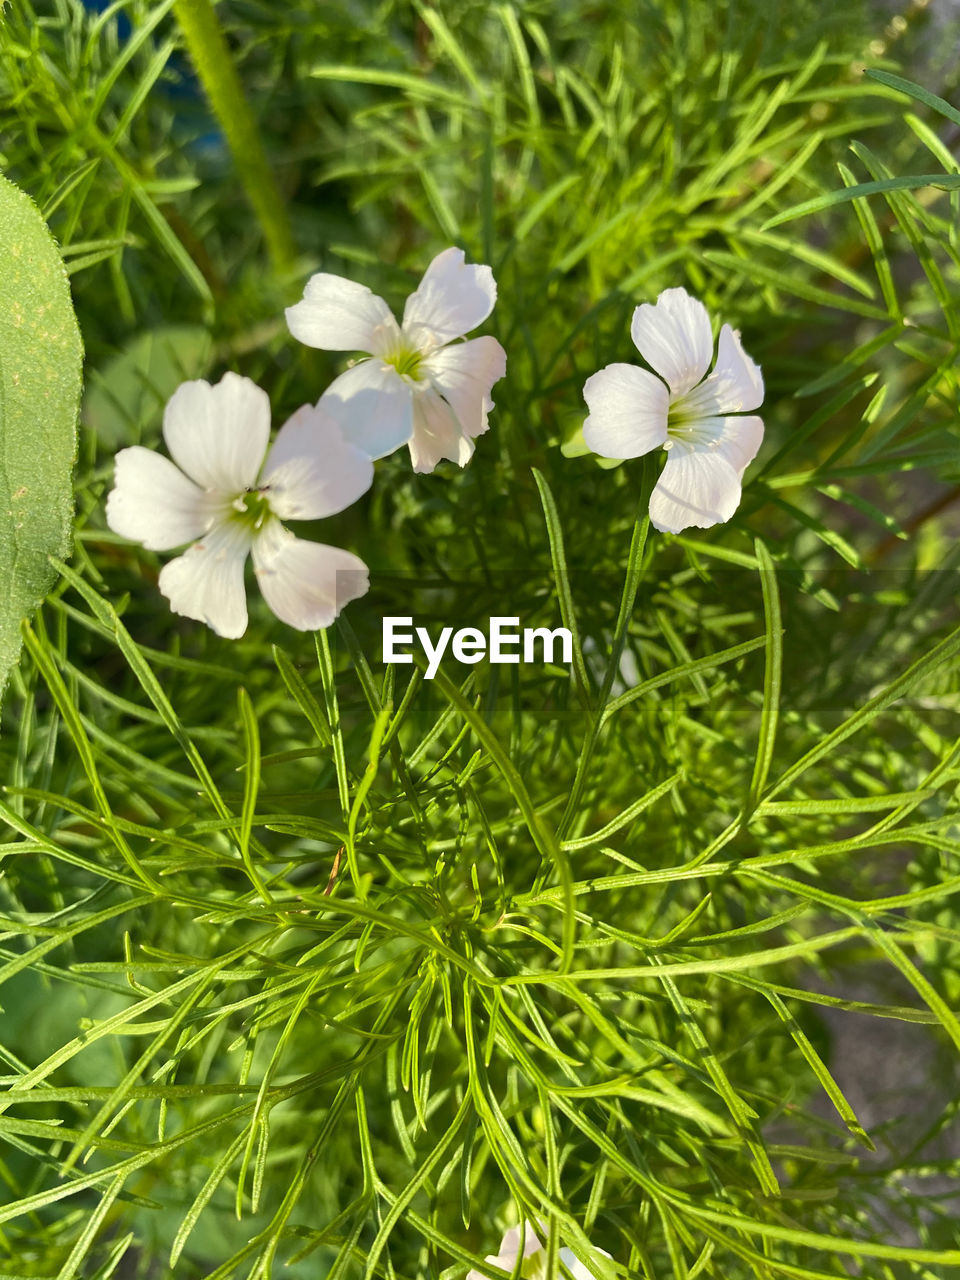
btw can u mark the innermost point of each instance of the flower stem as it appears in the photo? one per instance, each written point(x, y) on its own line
point(217, 72)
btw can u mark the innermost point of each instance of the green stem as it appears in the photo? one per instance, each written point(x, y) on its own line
point(631, 583)
point(217, 72)
point(329, 679)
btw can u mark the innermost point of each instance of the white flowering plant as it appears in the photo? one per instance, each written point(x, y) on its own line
point(636, 961)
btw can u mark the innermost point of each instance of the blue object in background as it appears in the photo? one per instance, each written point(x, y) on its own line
point(124, 26)
point(183, 85)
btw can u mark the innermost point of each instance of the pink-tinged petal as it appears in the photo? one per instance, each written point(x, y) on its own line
point(734, 386)
point(628, 412)
point(206, 582)
point(341, 315)
point(436, 432)
point(674, 337)
point(154, 503)
point(697, 488)
point(218, 434)
point(464, 374)
point(306, 584)
point(373, 406)
point(451, 299)
point(312, 471)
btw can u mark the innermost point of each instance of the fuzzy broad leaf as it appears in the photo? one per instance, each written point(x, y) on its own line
point(41, 357)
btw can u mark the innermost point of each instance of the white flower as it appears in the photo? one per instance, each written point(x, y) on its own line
point(226, 499)
point(414, 388)
point(632, 412)
point(534, 1254)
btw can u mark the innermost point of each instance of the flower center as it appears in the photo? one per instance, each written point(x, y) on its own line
point(406, 361)
point(252, 508)
point(685, 425)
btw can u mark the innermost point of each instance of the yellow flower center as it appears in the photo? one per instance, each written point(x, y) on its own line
point(685, 424)
point(252, 508)
point(406, 361)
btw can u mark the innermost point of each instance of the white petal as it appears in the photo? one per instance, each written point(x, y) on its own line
point(576, 1268)
point(153, 502)
point(531, 1241)
point(464, 374)
point(312, 471)
point(674, 338)
point(436, 432)
point(498, 1260)
point(341, 315)
point(306, 584)
point(737, 438)
point(697, 487)
point(373, 406)
point(628, 411)
point(511, 1243)
point(218, 435)
point(739, 378)
point(510, 1247)
point(206, 582)
point(735, 385)
point(450, 300)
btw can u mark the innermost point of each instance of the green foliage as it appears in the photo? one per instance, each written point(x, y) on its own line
point(315, 967)
point(40, 364)
point(124, 400)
